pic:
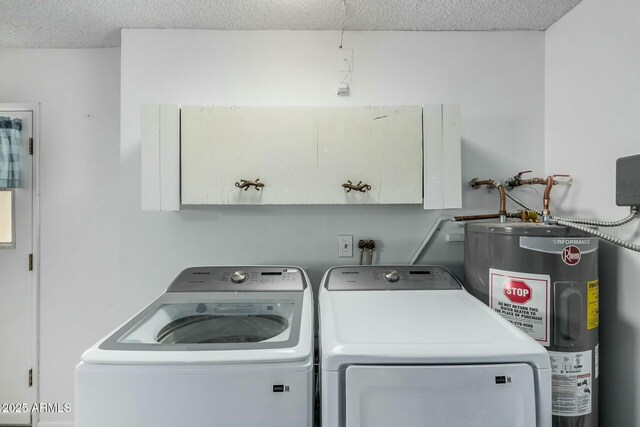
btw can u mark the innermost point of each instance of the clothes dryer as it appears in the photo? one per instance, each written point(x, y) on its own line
point(408, 346)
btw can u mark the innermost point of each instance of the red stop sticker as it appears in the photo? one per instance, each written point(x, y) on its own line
point(517, 291)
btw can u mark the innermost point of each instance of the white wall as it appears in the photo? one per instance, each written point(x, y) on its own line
point(593, 117)
point(103, 258)
point(592, 106)
point(498, 78)
point(79, 95)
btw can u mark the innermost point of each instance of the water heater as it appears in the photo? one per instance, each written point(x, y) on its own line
point(544, 279)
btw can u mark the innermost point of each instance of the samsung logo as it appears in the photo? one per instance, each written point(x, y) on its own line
point(205, 273)
point(572, 241)
point(350, 272)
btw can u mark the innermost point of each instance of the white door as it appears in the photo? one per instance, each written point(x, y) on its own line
point(17, 351)
point(441, 396)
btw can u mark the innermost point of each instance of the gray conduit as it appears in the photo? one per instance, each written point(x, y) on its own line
point(523, 204)
point(618, 223)
point(608, 238)
point(594, 222)
point(428, 238)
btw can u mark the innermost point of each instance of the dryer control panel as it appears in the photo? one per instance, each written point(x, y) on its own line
point(239, 278)
point(391, 277)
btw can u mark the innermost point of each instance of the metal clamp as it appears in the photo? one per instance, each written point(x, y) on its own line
point(246, 184)
point(358, 187)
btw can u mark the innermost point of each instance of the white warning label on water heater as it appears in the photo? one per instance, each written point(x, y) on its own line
point(571, 383)
point(523, 299)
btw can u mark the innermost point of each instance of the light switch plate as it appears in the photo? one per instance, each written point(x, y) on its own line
point(345, 246)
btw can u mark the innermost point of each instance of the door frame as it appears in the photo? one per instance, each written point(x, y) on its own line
point(34, 109)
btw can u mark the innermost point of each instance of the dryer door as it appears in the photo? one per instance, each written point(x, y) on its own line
point(441, 396)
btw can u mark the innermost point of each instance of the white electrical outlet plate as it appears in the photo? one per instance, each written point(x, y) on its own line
point(345, 60)
point(345, 246)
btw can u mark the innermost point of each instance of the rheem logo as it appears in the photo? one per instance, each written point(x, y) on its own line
point(517, 291)
point(571, 255)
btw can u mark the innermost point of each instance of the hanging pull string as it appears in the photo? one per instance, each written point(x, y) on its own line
point(344, 21)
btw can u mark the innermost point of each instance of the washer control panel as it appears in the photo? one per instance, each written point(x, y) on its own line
point(380, 277)
point(241, 278)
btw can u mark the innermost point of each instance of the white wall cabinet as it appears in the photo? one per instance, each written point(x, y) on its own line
point(302, 155)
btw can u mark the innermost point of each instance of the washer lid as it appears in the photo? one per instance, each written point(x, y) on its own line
point(234, 327)
point(212, 321)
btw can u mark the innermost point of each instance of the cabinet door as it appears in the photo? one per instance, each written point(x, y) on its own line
point(224, 145)
point(378, 146)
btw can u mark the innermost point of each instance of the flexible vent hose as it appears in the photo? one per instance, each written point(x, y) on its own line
point(608, 238)
point(618, 223)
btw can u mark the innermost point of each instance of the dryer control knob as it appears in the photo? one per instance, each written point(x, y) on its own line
point(391, 276)
point(239, 277)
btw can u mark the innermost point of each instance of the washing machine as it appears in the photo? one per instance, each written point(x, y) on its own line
point(408, 346)
point(223, 346)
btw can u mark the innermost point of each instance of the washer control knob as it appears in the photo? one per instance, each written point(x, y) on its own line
point(391, 276)
point(239, 277)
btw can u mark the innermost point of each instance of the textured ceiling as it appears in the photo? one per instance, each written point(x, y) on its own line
point(97, 23)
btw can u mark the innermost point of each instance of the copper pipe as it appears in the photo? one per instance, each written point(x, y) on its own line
point(541, 181)
point(503, 200)
point(475, 217)
point(548, 182)
point(546, 200)
point(485, 216)
point(476, 183)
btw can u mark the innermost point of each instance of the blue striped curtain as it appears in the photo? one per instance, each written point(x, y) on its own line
point(10, 152)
